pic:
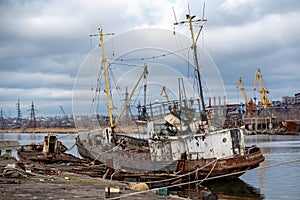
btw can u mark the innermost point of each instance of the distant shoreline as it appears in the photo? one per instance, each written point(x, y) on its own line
point(40, 130)
point(124, 129)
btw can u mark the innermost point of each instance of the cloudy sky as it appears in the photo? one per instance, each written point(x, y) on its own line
point(43, 43)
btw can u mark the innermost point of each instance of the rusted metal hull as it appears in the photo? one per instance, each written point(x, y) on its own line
point(52, 151)
point(233, 167)
point(191, 171)
point(48, 158)
point(291, 127)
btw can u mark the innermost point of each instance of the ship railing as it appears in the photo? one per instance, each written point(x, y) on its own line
point(158, 110)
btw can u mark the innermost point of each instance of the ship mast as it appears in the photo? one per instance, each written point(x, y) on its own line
point(190, 20)
point(105, 65)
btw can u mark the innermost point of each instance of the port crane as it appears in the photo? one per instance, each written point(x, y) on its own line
point(263, 91)
point(240, 83)
point(62, 110)
point(249, 104)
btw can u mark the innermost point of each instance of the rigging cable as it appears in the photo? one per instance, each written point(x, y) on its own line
point(139, 92)
point(152, 57)
point(116, 85)
point(97, 92)
point(129, 65)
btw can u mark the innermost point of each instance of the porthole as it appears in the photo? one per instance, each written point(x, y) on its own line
point(224, 140)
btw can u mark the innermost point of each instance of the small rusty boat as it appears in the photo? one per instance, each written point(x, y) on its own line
point(50, 152)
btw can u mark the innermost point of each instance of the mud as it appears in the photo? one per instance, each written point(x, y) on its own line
point(63, 190)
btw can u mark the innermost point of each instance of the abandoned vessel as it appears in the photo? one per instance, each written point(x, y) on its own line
point(52, 151)
point(182, 138)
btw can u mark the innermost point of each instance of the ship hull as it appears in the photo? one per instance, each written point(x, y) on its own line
point(227, 167)
point(138, 166)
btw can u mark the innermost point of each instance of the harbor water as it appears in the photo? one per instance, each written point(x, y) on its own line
point(278, 177)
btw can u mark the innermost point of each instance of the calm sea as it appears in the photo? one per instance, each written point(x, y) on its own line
point(277, 178)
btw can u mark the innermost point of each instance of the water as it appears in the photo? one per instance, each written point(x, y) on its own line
point(277, 178)
point(281, 181)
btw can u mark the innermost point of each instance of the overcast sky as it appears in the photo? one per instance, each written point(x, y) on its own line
point(43, 43)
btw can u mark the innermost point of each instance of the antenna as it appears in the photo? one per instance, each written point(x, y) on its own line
point(189, 9)
point(201, 27)
point(176, 22)
point(203, 11)
point(174, 15)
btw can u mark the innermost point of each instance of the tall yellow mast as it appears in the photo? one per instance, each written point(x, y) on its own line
point(105, 65)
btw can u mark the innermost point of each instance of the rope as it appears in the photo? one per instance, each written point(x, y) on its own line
point(113, 149)
point(209, 172)
point(70, 148)
point(186, 174)
point(64, 135)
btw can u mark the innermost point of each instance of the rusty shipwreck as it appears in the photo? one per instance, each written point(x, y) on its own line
point(52, 151)
point(180, 136)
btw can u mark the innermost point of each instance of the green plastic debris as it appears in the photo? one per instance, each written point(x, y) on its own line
point(162, 192)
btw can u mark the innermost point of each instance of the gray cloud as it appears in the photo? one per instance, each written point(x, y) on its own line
point(257, 35)
point(43, 43)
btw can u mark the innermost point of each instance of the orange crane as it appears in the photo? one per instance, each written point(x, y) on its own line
point(167, 97)
point(263, 91)
point(243, 91)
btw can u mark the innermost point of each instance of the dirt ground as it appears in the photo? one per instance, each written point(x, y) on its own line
point(16, 183)
point(11, 189)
